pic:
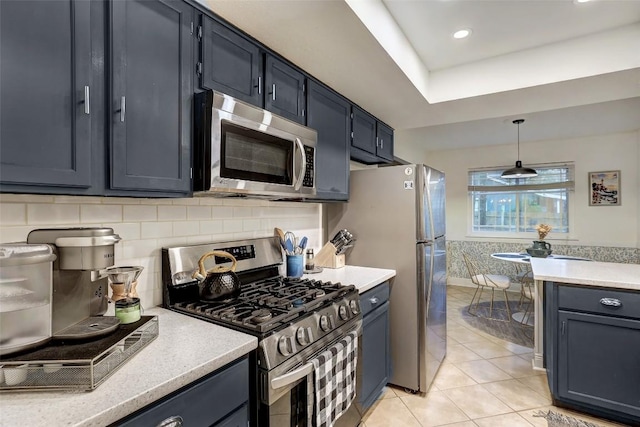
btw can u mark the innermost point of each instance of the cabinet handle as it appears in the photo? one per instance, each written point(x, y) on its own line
point(174, 421)
point(381, 143)
point(123, 108)
point(611, 302)
point(377, 142)
point(259, 85)
point(273, 92)
point(86, 99)
point(373, 300)
point(563, 327)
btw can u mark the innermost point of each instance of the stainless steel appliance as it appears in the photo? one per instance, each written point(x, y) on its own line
point(80, 290)
point(242, 150)
point(293, 319)
point(398, 214)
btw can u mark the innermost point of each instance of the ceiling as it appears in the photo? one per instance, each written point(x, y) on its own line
point(570, 69)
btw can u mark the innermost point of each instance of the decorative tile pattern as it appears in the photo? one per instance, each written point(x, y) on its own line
point(482, 251)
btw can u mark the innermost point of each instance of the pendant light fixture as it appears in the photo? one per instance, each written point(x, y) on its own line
point(519, 171)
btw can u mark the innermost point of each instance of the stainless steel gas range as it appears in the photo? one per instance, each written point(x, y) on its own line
point(293, 319)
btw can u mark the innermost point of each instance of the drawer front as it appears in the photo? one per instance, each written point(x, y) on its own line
point(601, 301)
point(203, 403)
point(374, 298)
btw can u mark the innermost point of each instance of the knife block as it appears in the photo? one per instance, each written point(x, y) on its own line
point(327, 257)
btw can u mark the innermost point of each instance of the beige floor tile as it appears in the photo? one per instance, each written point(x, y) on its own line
point(487, 349)
point(464, 335)
point(450, 376)
point(515, 366)
point(390, 413)
point(476, 401)
point(388, 393)
point(506, 420)
point(434, 409)
point(460, 353)
point(517, 395)
point(514, 348)
point(463, 424)
point(482, 371)
point(538, 383)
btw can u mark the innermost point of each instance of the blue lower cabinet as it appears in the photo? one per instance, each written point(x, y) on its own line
point(375, 359)
point(219, 399)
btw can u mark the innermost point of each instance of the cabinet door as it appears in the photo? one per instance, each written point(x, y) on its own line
point(231, 64)
point(284, 87)
point(45, 87)
point(329, 115)
point(384, 142)
point(375, 354)
point(151, 95)
point(364, 131)
point(598, 361)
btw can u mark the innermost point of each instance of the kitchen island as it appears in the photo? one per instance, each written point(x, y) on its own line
point(185, 350)
point(588, 335)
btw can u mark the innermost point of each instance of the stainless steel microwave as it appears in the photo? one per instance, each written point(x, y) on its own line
point(243, 150)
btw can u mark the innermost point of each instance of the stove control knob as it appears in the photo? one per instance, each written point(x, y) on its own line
point(302, 337)
point(355, 309)
point(324, 323)
point(343, 312)
point(284, 346)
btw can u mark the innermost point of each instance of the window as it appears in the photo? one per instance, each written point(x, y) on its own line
point(512, 206)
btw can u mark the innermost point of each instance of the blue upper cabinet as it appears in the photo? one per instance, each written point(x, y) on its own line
point(330, 115)
point(45, 94)
point(284, 90)
point(152, 90)
point(372, 140)
point(230, 63)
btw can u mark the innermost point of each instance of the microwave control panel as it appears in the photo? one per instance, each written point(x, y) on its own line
point(308, 174)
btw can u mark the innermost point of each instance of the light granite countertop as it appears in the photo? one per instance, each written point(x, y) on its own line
point(591, 273)
point(364, 278)
point(185, 350)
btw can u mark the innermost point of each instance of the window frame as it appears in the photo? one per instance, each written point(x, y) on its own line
point(528, 235)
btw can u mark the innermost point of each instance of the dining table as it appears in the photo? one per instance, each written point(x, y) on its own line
point(525, 258)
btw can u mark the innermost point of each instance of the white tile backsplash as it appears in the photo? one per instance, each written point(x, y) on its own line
point(147, 225)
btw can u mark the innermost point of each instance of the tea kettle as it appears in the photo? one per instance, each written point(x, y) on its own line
point(219, 282)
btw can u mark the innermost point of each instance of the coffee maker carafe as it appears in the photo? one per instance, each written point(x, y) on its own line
point(80, 289)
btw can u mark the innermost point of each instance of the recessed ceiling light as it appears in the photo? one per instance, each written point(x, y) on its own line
point(460, 34)
point(580, 1)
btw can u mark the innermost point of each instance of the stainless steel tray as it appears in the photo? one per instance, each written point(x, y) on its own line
point(35, 371)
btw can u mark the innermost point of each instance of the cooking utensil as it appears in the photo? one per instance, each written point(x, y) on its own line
point(302, 245)
point(280, 234)
point(290, 237)
point(219, 282)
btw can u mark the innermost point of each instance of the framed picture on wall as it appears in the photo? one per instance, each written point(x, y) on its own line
point(605, 188)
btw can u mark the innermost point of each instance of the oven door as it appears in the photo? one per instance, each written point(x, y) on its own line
point(287, 391)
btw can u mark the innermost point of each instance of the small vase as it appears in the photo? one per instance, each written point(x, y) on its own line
point(541, 244)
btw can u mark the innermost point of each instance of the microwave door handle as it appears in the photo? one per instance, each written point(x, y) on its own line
point(291, 377)
point(303, 165)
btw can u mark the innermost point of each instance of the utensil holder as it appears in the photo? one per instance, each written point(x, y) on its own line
point(327, 257)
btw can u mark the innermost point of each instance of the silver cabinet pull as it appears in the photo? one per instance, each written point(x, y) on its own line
point(381, 143)
point(174, 421)
point(611, 302)
point(123, 108)
point(259, 85)
point(273, 92)
point(86, 100)
point(377, 141)
point(373, 300)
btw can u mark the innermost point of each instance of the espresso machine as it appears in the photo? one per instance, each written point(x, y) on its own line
point(80, 285)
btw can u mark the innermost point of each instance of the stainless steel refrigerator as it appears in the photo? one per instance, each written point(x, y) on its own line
point(397, 215)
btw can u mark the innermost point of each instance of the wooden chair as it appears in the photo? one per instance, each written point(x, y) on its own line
point(491, 281)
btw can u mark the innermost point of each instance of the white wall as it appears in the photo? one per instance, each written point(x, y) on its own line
point(147, 225)
point(602, 226)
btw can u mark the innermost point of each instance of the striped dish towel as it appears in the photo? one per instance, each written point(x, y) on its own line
point(335, 380)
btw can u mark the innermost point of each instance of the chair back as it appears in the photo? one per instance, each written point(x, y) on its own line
point(472, 268)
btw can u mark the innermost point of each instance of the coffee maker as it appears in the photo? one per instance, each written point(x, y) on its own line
point(80, 287)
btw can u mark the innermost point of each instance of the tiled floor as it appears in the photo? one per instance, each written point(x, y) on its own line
point(483, 382)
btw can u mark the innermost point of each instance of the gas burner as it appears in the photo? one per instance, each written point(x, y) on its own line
point(261, 315)
point(319, 293)
point(270, 301)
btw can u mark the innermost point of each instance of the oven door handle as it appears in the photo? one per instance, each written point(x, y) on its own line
point(291, 377)
point(303, 165)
